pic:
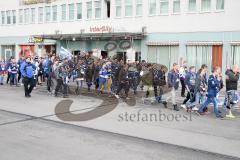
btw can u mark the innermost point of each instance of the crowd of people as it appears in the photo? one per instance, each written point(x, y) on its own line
point(115, 75)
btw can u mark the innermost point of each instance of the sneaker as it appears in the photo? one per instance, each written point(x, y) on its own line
point(117, 96)
point(201, 113)
point(195, 108)
point(230, 116)
point(183, 106)
point(165, 104)
point(220, 116)
point(175, 107)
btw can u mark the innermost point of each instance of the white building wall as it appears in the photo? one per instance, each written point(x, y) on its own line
point(227, 20)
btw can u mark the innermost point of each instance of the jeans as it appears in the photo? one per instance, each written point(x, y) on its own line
point(207, 102)
point(199, 99)
point(231, 98)
point(102, 82)
point(13, 79)
point(1, 78)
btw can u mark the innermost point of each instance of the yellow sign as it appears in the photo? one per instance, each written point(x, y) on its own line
point(38, 39)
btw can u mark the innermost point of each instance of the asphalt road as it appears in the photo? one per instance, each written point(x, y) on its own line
point(25, 138)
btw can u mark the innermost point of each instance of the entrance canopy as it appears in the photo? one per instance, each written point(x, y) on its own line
point(94, 36)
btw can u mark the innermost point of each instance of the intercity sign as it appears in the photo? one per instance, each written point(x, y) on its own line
point(101, 29)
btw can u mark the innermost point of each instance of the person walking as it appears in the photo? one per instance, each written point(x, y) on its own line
point(189, 82)
point(173, 83)
point(13, 73)
point(199, 92)
point(124, 81)
point(214, 85)
point(2, 71)
point(232, 77)
point(27, 70)
point(62, 78)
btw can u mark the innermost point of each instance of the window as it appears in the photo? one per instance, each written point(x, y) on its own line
point(139, 8)
point(89, 10)
point(14, 16)
point(192, 6)
point(206, 6)
point(165, 55)
point(47, 13)
point(220, 5)
point(8, 17)
point(152, 7)
point(128, 8)
point(26, 16)
point(2, 17)
point(198, 55)
point(20, 14)
point(118, 4)
point(79, 10)
point(176, 6)
point(64, 12)
point(98, 9)
point(71, 11)
point(33, 15)
point(235, 55)
point(164, 6)
point(54, 13)
point(40, 15)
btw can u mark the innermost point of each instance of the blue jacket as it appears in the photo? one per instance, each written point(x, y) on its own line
point(104, 73)
point(190, 80)
point(213, 86)
point(173, 79)
point(27, 70)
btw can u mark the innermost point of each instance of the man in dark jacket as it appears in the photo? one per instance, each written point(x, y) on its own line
point(62, 78)
point(173, 83)
point(232, 77)
point(159, 81)
point(124, 81)
point(214, 85)
point(27, 70)
point(189, 82)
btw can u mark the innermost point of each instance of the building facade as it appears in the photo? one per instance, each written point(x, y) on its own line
point(159, 31)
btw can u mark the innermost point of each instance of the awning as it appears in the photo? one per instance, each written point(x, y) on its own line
point(159, 43)
point(94, 36)
point(235, 43)
point(204, 43)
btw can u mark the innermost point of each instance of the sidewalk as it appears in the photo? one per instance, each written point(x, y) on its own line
point(197, 132)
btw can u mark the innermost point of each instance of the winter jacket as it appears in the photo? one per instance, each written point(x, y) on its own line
point(213, 86)
point(190, 80)
point(173, 79)
point(232, 82)
point(27, 70)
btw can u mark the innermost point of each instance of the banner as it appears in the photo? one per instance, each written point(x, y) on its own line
point(64, 53)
